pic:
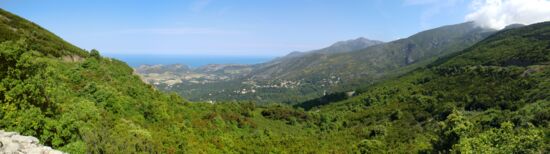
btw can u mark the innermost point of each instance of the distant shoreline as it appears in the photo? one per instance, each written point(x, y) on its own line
point(189, 60)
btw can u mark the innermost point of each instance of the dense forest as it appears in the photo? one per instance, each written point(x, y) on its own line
point(493, 97)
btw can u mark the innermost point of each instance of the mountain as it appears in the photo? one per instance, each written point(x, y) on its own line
point(224, 79)
point(341, 67)
point(338, 47)
point(377, 60)
point(512, 26)
point(492, 97)
point(348, 46)
point(282, 64)
point(78, 101)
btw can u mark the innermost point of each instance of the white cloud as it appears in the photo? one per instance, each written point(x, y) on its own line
point(497, 14)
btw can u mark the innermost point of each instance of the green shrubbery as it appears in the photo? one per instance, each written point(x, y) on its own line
point(469, 103)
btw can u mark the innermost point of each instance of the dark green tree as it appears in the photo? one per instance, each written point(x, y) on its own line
point(95, 54)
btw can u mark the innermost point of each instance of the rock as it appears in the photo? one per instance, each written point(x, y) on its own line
point(13, 143)
point(7, 134)
point(9, 147)
point(55, 152)
point(35, 150)
point(25, 139)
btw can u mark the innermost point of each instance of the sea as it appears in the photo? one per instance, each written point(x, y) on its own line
point(189, 60)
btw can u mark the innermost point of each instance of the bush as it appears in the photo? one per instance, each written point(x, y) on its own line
point(95, 54)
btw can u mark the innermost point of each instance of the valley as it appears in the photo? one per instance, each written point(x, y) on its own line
point(302, 76)
point(460, 88)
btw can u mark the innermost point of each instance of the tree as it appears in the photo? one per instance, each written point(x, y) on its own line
point(451, 130)
point(95, 54)
point(371, 146)
point(504, 140)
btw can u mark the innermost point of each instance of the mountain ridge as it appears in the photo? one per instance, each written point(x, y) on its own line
point(312, 74)
point(491, 97)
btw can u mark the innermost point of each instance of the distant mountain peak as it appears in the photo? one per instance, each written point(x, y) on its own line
point(338, 47)
point(512, 26)
point(360, 41)
point(295, 54)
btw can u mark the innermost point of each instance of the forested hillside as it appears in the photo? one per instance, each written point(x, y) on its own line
point(342, 67)
point(78, 102)
point(492, 97)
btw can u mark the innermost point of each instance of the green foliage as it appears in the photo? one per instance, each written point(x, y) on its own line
point(468, 103)
point(95, 54)
point(371, 146)
point(281, 113)
point(504, 140)
point(463, 102)
point(98, 106)
point(451, 130)
point(333, 97)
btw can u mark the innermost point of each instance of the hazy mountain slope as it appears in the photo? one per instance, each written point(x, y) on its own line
point(298, 78)
point(348, 46)
point(300, 60)
point(229, 82)
point(338, 47)
point(492, 97)
point(376, 61)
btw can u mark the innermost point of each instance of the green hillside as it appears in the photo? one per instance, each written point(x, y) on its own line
point(300, 77)
point(381, 59)
point(80, 102)
point(13, 27)
point(492, 97)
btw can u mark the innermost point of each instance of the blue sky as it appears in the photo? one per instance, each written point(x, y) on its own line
point(232, 27)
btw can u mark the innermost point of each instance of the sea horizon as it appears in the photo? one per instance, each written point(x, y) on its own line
point(136, 60)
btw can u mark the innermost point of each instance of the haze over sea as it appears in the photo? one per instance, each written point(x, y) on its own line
point(189, 60)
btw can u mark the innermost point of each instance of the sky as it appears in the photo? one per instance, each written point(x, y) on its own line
point(254, 27)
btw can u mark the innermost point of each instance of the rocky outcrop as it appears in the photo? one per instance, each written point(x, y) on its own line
point(72, 58)
point(13, 143)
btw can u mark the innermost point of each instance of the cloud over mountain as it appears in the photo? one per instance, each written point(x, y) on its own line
point(498, 14)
